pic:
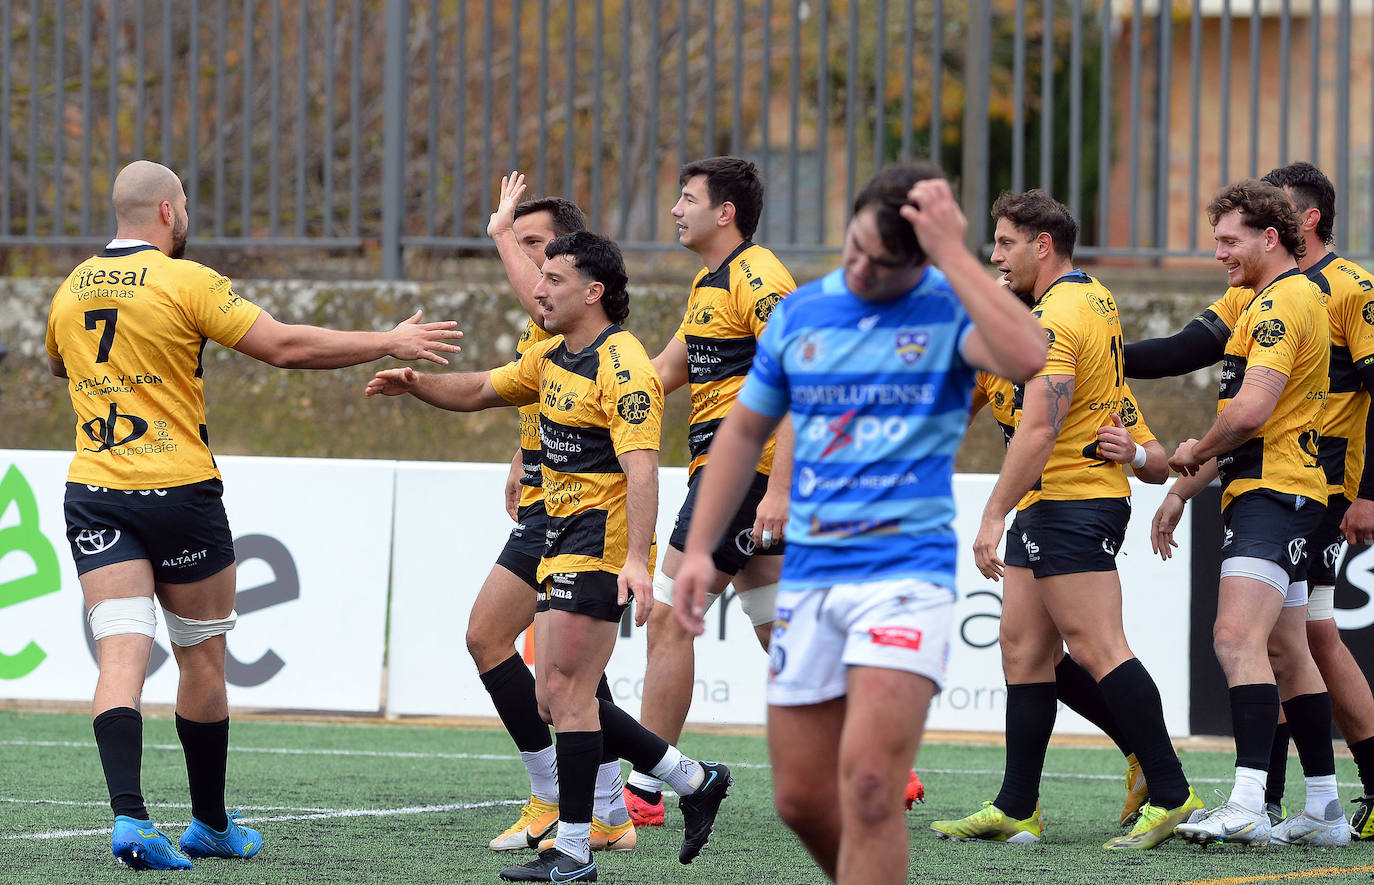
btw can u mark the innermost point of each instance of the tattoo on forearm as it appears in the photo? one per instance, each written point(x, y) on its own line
point(1060, 398)
point(1230, 436)
point(1269, 380)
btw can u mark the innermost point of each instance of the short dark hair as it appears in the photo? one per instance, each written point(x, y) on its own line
point(1035, 212)
point(732, 180)
point(597, 258)
point(567, 217)
point(1261, 206)
point(1311, 190)
point(886, 194)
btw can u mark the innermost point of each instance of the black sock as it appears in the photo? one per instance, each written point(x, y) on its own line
point(578, 752)
point(1031, 708)
point(119, 738)
point(1254, 716)
point(627, 739)
point(603, 692)
point(511, 686)
point(1079, 691)
point(1309, 718)
point(1278, 766)
point(1133, 698)
point(1363, 751)
point(206, 745)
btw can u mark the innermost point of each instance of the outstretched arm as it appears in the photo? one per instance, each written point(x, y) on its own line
point(292, 346)
point(457, 392)
point(1195, 346)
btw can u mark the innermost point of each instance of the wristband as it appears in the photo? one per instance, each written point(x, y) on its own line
point(1141, 456)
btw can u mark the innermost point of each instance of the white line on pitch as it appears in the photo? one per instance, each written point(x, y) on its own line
point(327, 814)
point(97, 804)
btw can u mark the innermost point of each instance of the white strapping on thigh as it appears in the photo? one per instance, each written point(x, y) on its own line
point(123, 615)
point(760, 603)
point(187, 631)
point(1256, 569)
point(663, 591)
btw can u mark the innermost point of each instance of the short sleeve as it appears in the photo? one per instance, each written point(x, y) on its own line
point(1060, 320)
point(517, 382)
point(633, 402)
point(760, 295)
point(1273, 336)
point(218, 312)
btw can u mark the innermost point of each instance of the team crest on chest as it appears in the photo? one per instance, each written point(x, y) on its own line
point(911, 346)
point(812, 348)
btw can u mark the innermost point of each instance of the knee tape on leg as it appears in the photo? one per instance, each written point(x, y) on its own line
point(760, 604)
point(663, 591)
point(186, 631)
point(128, 614)
point(1321, 603)
point(1256, 569)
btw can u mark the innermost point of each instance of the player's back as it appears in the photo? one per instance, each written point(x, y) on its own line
point(1349, 291)
point(130, 327)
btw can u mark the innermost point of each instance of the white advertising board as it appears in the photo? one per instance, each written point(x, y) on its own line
point(313, 540)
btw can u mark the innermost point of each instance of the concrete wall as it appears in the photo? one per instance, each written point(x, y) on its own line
point(255, 409)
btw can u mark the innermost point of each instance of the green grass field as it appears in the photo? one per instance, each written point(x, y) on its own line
point(379, 803)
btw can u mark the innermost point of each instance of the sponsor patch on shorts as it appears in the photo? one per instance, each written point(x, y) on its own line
point(898, 637)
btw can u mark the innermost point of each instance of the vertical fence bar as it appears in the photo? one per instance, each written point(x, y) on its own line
point(140, 49)
point(541, 151)
point(908, 73)
point(977, 89)
point(765, 92)
point(6, 75)
point(1137, 39)
point(599, 53)
point(59, 91)
point(879, 84)
point(302, 117)
point(515, 43)
point(432, 133)
point(1224, 53)
point(1194, 117)
point(1256, 26)
point(246, 125)
point(274, 124)
point(1315, 106)
point(627, 158)
point(166, 118)
point(736, 102)
point(570, 50)
point(111, 115)
point(655, 62)
point(193, 127)
point(1104, 116)
point(484, 179)
point(87, 52)
point(683, 33)
point(851, 105)
point(709, 105)
point(1018, 99)
point(331, 13)
point(355, 134)
point(822, 111)
point(394, 136)
point(460, 121)
point(1076, 111)
point(1163, 155)
point(1343, 75)
point(1047, 100)
point(221, 124)
point(1285, 65)
point(31, 190)
point(794, 134)
point(937, 84)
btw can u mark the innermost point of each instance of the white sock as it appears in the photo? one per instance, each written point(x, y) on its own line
point(646, 782)
point(543, 769)
point(575, 840)
point(608, 805)
point(677, 771)
point(1248, 792)
point(1322, 801)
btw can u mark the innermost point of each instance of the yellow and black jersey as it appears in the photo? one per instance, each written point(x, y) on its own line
point(1284, 328)
point(1221, 315)
point(594, 405)
point(1005, 399)
point(1084, 332)
point(726, 313)
point(1349, 291)
point(531, 479)
point(130, 325)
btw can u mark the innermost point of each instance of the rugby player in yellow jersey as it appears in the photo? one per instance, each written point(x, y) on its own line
point(1349, 478)
point(1128, 439)
point(1061, 584)
point(143, 504)
point(1263, 445)
point(600, 411)
point(505, 606)
point(727, 310)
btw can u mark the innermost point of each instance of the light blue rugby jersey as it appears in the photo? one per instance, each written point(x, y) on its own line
point(879, 395)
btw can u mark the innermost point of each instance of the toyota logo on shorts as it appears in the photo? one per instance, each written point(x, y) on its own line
point(93, 541)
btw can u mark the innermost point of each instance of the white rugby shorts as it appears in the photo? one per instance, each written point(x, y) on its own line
point(819, 632)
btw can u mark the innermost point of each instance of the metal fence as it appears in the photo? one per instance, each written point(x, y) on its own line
point(384, 125)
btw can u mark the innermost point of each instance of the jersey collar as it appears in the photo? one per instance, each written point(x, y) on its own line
point(121, 246)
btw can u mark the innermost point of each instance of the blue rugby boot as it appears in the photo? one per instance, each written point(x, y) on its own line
point(141, 846)
point(235, 840)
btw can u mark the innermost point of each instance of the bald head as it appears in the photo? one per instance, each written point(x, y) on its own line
point(140, 189)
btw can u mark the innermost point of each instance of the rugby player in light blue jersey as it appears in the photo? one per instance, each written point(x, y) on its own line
point(875, 361)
